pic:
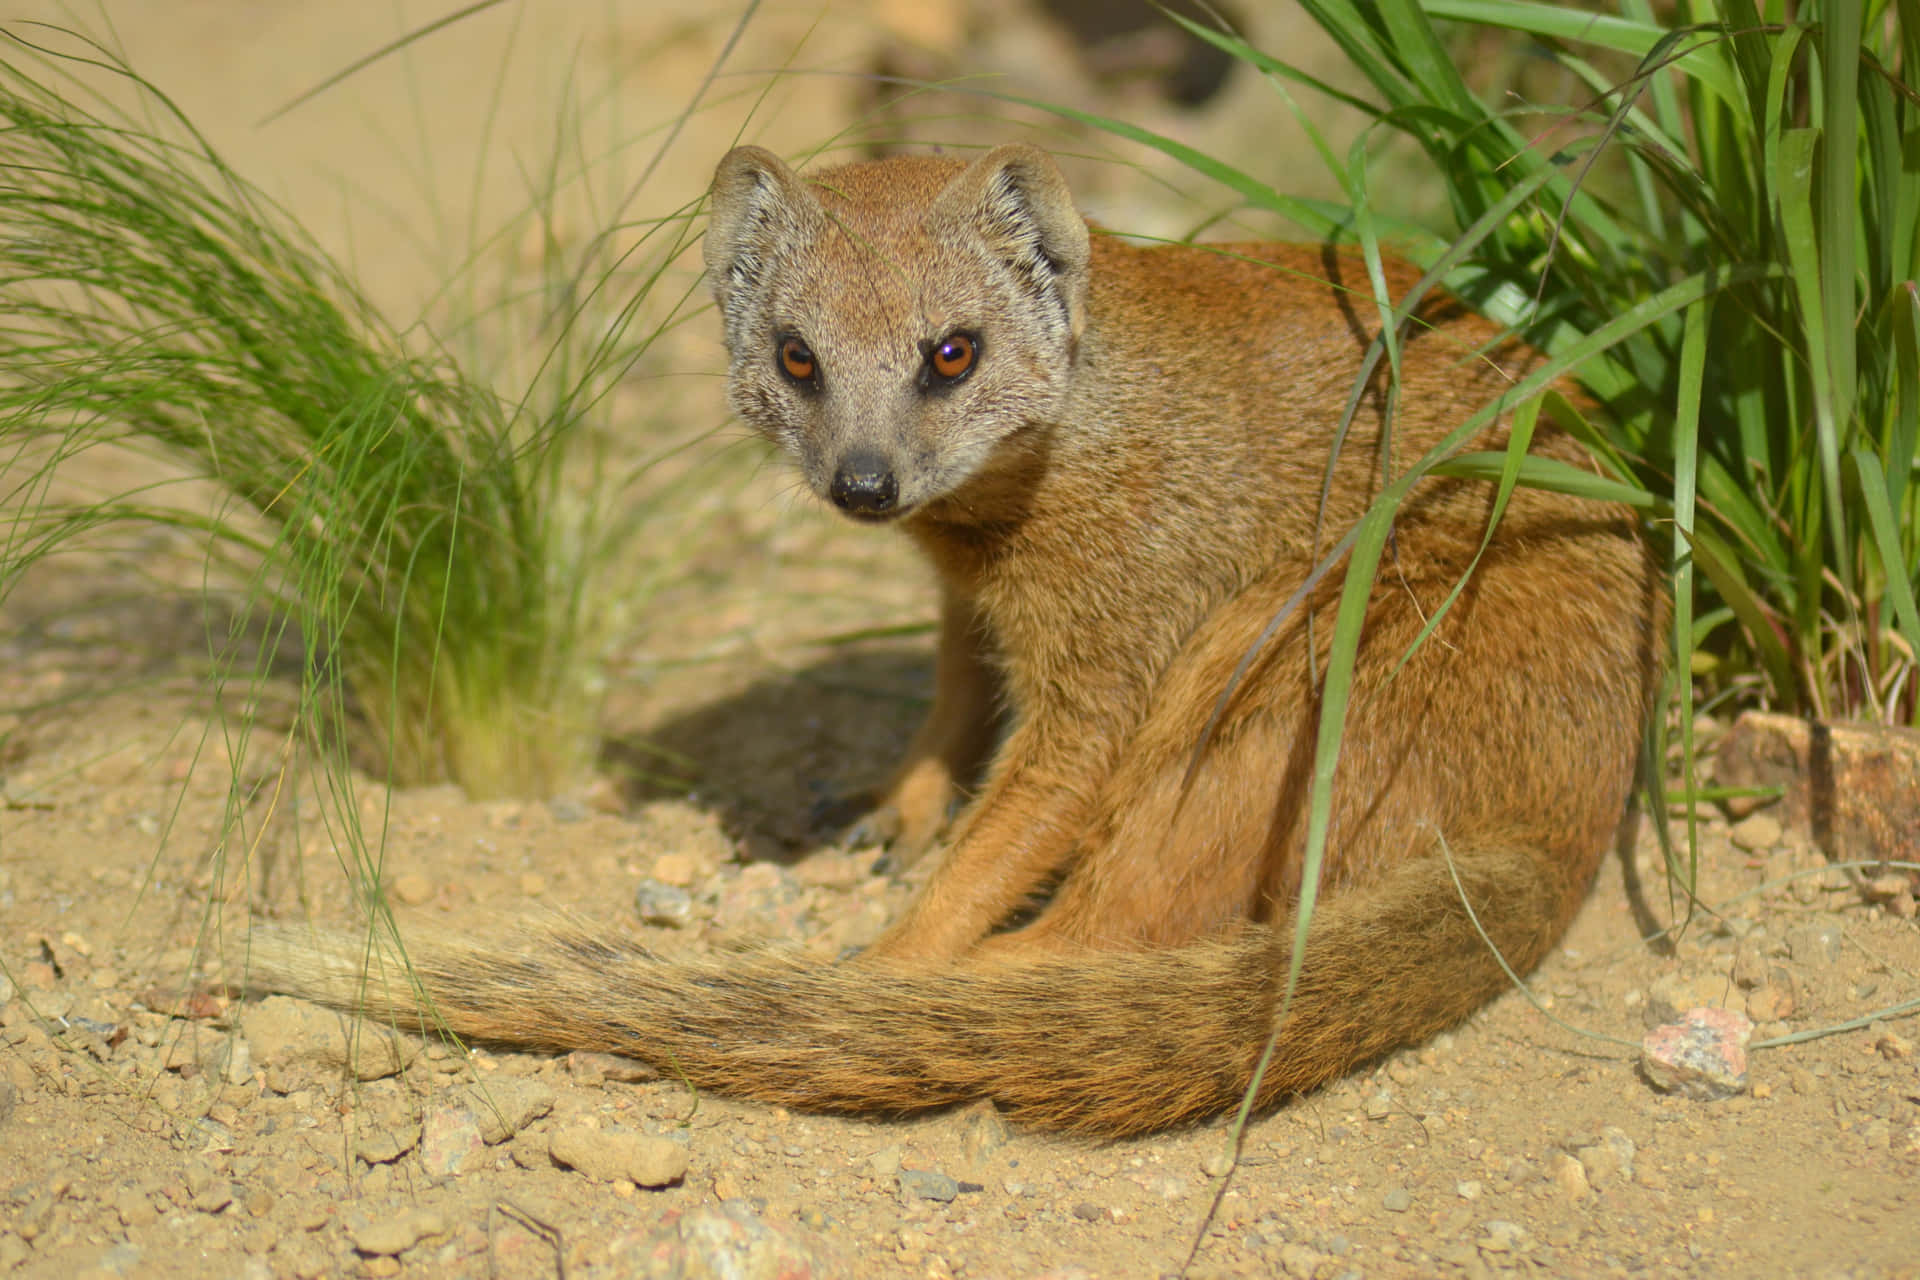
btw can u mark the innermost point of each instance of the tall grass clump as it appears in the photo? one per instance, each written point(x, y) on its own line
point(410, 527)
point(1719, 239)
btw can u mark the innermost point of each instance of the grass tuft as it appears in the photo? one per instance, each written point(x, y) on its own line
point(420, 536)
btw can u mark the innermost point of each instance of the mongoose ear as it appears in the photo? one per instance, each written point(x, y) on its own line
point(1015, 200)
point(755, 202)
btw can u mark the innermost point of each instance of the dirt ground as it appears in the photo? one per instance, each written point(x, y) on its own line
point(150, 1127)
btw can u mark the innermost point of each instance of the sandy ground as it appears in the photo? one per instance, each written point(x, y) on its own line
point(149, 1127)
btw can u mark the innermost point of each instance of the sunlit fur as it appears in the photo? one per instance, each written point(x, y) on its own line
point(1117, 500)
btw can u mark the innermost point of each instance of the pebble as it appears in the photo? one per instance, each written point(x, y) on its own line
point(284, 1031)
point(215, 1197)
point(1503, 1237)
point(1087, 1211)
point(1819, 943)
point(1570, 1177)
point(983, 1132)
point(1300, 1261)
point(387, 1237)
point(662, 905)
point(1892, 1045)
point(1702, 1056)
point(135, 1208)
point(386, 1144)
point(1397, 1200)
point(596, 1068)
point(730, 1241)
point(506, 1106)
point(927, 1184)
point(607, 1155)
point(450, 1141)
point(1756, 831)
point(412, 890)
point(676, 870)
point(1773, 1002)
point(1609, 1158)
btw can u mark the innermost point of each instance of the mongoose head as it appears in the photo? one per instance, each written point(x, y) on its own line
point(905, 329)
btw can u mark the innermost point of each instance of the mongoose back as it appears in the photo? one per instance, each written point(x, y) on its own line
point(1120, 463)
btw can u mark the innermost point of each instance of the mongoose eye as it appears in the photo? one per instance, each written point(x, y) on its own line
point(953, 357)
point(796, 360)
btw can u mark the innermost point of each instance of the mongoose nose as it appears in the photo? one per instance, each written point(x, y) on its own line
point(864, 485)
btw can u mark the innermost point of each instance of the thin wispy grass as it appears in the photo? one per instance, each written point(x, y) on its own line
point(423, 535)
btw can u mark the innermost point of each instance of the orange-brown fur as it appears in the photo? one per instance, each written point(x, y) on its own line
point(1117, 500)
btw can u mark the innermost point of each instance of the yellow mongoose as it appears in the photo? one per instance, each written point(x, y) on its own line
point(1117, 461)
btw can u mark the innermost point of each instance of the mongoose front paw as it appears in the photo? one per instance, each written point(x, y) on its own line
point(856, 820)
point(861, 820)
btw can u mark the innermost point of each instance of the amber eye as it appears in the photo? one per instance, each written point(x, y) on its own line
point(953, 357)
point(796, 360)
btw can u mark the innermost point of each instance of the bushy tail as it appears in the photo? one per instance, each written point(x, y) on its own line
point(1108, 1043)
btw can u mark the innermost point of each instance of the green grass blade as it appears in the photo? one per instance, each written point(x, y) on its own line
point(1894, 563)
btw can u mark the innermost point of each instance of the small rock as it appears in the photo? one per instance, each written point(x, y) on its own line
point(412, 890)
point(927, 1184)
point(450, 1141)
point(283, 1031)
point(1300, 1261)
point(1893, 1046)
point(1607, 1159)
point(662, 905)
point(1217, 1164)
point(728, 1241)
point(593, 1068)
point(1819, 943)
point(135, 1208)
point(214, 1198)
point(885, 1162)
point(1756, 832)
point(1570, 1177)
point(983, 1131)
point(1087, 1211)
point(676, 870)
point(1670, 995)
point(387, 1143)
point(1397, 1200)
point(390, 1236)
point(828, 869)
point(1503, 1237)
point(1770, 1003)
point(505, 1106)
point(1703, 1056)
point(606, 1156)
point(229, 1059)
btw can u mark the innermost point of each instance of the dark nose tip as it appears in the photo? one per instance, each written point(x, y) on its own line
point(864, 485)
